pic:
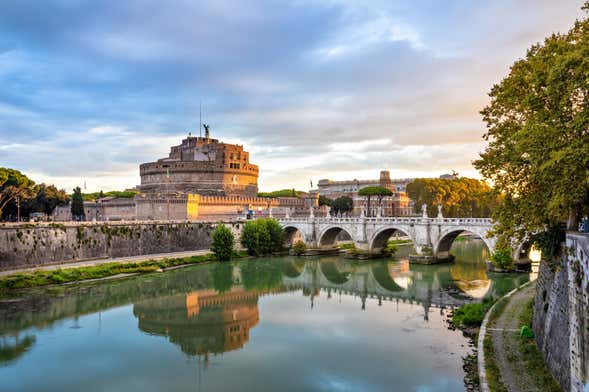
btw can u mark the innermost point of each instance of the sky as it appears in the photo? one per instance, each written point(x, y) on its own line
point(313, 89)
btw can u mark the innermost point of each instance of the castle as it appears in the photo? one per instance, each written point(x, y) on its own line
point(204, 166)
point(201, 179)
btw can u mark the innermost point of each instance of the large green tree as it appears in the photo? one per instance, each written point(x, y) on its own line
point(459, 197)
point(538, 134)
point(13, 184)
point(342, 205)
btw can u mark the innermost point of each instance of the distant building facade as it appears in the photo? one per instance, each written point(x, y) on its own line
point(399, 204)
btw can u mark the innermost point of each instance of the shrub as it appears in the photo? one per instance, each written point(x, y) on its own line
point(526, 332)
point(256, 238)
point(390, 249)
point(299, 248)
point(501, 258)
point(470, 315)
point(276, 234)
point(223, 241)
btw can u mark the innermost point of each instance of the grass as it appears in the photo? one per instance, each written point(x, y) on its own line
point(491, 368)
point(532, 357)
point(400, 242)
point(68, 275)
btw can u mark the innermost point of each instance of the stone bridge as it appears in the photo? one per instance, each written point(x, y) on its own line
point(429, 235)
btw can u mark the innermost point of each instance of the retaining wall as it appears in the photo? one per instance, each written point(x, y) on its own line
point(28, 245)
point(561, 315)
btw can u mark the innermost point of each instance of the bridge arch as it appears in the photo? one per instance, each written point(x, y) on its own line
point(329, 235)
point(379, 238)
point(447, 237)
point(293, 234)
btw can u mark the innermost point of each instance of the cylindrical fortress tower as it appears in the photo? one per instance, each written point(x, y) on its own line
point(202, 165)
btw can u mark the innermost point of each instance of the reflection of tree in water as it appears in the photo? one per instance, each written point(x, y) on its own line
point(13, 347)
point(293, 268)
point(223, 277)
point(202, 321)
point(331, 271)
point(382, 274)
point(261, 275)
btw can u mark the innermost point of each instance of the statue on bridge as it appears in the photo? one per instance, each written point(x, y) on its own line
point(440, 216)
point(424, 211)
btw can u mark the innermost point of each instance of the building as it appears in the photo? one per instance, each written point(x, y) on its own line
point(204, 166)
point(397, 205)
point(201, 179)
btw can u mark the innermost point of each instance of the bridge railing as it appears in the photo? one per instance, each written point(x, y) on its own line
point(414, 220)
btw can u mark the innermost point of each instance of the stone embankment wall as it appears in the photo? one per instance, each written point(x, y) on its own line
point(28, 245)
point(561, 315)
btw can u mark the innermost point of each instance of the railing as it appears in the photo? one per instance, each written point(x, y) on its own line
point(410, 220)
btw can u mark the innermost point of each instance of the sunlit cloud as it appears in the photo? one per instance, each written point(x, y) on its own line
point(338, 89)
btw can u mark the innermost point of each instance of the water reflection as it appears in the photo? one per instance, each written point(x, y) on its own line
point(208, 310)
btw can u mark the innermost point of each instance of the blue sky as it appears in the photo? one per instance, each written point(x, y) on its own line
point(314, 89)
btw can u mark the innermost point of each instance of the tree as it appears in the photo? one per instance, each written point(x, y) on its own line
point(276, 234)
point(13, 184)
point(48, 197)
point(342, 205)
point(537, 129)
point(374, 191)
point(324, 201)
point(78, 205)
point(459, 197)
point(222, 244)
point(262, 237)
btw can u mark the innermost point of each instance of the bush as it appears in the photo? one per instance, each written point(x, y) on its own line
point(470, 315)
point(262, 237)
point(276, 234)
point(390, 249)
point(223, 241)
point(299, 248)
point(526, 332)
point(501, 258)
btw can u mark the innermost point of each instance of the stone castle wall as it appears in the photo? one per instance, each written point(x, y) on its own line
point(561, 315)
point(37, 244)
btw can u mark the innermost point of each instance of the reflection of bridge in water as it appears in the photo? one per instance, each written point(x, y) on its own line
point(388, 281)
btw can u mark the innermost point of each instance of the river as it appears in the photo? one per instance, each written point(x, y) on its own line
point(269, 324)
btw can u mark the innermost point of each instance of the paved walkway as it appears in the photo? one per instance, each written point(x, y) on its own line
point(90, 263)
point(504, 332)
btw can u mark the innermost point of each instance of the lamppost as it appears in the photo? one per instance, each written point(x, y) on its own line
point(18, 208)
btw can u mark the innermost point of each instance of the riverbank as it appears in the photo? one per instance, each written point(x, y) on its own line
point(99, 269)
point(512, 362)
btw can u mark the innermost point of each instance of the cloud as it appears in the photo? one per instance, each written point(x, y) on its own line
point(333, 89)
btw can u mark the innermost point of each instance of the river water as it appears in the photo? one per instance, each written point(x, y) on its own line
point(271, 324)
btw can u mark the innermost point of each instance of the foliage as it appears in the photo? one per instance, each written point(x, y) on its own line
point(99, 195)
point(262, 236)
point(13, 184)
point(223, 240)
point(299, 248)
point(223, 277)
point(459, 197)
point(261, 275)
point(342, 205)
point(502, 258)
point(282, 193)
point(390, 249)
point(374, 191)
point(325, 201)
point(46, 198)
point(538, 151)
point(526, 332)
point(470, 315)
point(77, 204)
point(276, 234)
